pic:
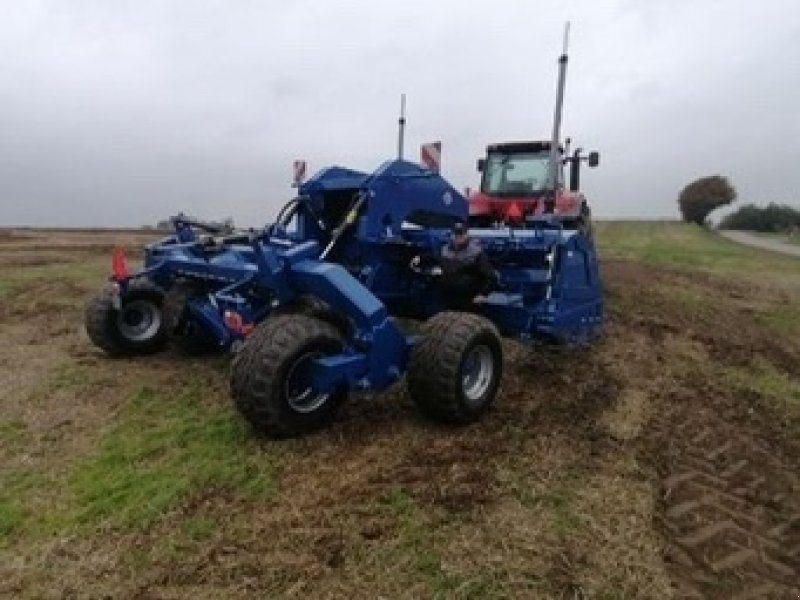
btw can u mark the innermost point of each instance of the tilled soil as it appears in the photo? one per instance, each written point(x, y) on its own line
point(728, 486)
point(730, 497)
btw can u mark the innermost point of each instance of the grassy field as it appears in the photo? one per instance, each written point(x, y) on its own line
point(682, 246)
point(660, 462)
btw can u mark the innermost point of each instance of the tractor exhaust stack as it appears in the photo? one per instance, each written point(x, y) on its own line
point(401, 135)
point(562, 78)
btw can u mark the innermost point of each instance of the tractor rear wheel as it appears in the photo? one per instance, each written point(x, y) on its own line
point(183, 331)
point(455, 369)
point(133, 326)
point(314, 307)
point(270, 381)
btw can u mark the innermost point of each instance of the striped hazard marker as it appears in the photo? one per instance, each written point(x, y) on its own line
point(299, 168)
point(430, 156)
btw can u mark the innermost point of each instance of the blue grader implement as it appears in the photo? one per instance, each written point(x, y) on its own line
point(309, 303)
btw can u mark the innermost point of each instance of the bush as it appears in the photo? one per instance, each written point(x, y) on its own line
point(774, 217)
point(703, 195)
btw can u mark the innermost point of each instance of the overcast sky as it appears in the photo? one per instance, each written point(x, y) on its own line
point(124, 112)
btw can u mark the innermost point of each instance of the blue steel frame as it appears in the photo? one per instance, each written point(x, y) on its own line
point(549, 282)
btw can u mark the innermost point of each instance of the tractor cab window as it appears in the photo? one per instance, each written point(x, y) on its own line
point(519, 174)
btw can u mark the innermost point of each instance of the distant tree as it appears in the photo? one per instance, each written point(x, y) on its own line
point(773, 217)
point(704, 195)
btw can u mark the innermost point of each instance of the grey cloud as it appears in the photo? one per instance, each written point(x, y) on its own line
point(122, 113)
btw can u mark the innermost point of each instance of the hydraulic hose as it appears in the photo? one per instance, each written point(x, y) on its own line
point(348, 220)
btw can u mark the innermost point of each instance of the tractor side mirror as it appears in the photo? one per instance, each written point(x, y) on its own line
point(594, 159)
point(481, 164)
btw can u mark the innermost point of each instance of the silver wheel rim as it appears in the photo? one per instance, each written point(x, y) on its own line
point(301, 396)
point(477, 372)
point(139, 320)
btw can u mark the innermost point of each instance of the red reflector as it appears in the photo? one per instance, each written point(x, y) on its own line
point(235, 323)
point(119, 268)
point(514, 211)
point(233, 320)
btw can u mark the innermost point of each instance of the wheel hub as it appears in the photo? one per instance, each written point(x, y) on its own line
point(477, 372)
point(301, 395)
point(139, 320)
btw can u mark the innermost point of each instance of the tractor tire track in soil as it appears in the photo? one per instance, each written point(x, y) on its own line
point(725, 469)
point(730, 506)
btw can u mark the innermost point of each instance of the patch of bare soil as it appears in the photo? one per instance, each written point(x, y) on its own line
point(729, 494)
point(731, 501)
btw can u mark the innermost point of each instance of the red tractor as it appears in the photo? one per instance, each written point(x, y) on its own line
point(516, 187)
point(522, 183)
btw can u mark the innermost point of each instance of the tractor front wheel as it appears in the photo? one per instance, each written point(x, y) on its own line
point(455, 369)
point(270, 376)
point(129, 325)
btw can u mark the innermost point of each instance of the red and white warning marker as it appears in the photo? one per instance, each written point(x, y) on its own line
point(430, 156)
point(299, 167)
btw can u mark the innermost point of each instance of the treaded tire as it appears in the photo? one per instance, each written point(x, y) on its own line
point(436, 371)
point(188, 336)
point(300, 305)
point(262, 369)
point(102, 321)
point(312, 306)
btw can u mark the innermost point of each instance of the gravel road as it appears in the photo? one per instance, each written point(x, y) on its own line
point(751, 239)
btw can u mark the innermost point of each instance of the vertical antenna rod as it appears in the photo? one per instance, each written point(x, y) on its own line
point(562, 77)
point(402, 123)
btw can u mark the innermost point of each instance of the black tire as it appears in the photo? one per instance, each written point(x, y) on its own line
point(110, 328)
point(300, 305)
point(184, 332)
point(585, 225)
point(583, 222)
point(261, 375)
point(314, 307)
point(439, 379)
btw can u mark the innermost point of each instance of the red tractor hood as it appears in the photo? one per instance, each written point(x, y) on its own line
point(516, 208)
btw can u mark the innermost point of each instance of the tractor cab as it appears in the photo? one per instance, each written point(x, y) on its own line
point(516, 187)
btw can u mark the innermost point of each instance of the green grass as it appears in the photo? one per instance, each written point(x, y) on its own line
point(66, 375)
point(17, 485)
point(767, 381)
point(417, 547)
point(164, 448)
point(198, 528)
point(13, 432)
point(558, 498)
point(415, 537)
point(680, 245)
point(81, 272)
point(70, 375)
point(781, 319)
point(7, 287)
point(182, 541)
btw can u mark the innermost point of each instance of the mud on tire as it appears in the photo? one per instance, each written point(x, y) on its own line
point(314, 307)
point(267, 375)
point(455, 369)
point(137, 327)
